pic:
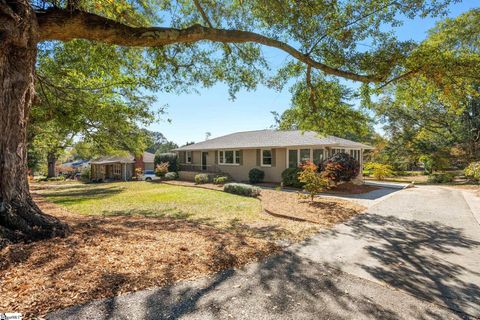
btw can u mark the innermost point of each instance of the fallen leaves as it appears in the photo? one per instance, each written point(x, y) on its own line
point(323, 211)
point(107, 256)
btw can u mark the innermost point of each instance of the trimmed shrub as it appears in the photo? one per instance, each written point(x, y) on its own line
point(221, 180)
point(86, 174)
point(171, 176)
point(441, 177)
point(256, 175)
point(59, 178)
point(313, 182)
point(290, 178)
point(40, 178)
point(161, 169)
point(242, 189)
point(341, 167)
point(201, 178)
point(472, 171)
point(378, 170)
point(170, 158)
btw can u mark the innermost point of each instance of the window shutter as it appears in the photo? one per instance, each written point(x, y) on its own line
point(241, 156)
point(216, 156)
point(259, 157)
point(274, 157)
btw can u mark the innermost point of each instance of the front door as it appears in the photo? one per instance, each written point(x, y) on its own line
point(204, 161)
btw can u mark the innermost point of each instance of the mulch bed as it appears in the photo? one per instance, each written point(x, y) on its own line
point(108, 256)
point(350, 188)
point(323, 211)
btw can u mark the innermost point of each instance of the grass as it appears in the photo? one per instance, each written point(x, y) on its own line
point(155, 200)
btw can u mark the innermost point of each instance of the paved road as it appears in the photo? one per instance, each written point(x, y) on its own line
point(414, 255)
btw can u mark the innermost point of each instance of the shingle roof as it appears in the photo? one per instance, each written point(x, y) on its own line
point(147, 157)
point(272, 138)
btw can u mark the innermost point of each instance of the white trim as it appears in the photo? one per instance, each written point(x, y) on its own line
point(235, 151)
point(261, 158)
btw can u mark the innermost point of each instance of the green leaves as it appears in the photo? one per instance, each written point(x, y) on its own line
point(329, 114)
point(93, 92)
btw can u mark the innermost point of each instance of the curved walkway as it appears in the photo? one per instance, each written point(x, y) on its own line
point(414, 255)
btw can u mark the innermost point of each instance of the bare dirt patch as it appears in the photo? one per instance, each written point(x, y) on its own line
point(107, 256)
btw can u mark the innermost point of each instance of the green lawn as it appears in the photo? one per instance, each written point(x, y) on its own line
point(215, 208)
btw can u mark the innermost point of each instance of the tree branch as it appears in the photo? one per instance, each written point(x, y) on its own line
point(350, 23)
point(312, 98)
point(58, 24)
point(207, 21)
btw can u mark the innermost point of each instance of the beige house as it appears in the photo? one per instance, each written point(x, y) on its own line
point(271, 151)
point(111, 168)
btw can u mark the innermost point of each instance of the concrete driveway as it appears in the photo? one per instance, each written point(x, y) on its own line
point(424, 241)
point(413, 255)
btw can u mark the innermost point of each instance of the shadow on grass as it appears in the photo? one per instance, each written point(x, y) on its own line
point(234, 225)
point(173, 213)
point(83, 193)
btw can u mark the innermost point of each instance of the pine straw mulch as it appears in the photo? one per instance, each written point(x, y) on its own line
point(108, 256)
point(351, 188)
point(324, 211)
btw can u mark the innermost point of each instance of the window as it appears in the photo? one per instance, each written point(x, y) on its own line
point(189, 157)
point(355, 154)
point(304, 155)
point(237, 157)
point(229, 157)
point(335, 151)
point(317, 156)
point(293, 158)
point(117, 169)
point(266, 158)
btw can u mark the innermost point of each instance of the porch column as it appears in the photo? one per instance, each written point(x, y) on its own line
point(359, 178)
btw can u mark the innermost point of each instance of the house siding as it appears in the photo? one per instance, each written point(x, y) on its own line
point(250, 159)
point(272, 174)
point(148, 166)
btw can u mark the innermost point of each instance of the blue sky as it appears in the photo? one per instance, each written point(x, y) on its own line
point(192, 115)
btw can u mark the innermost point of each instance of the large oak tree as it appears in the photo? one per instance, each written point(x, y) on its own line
point(216, 40)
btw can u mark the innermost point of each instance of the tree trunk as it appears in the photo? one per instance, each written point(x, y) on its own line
point(52, 160)
point(20, 217)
